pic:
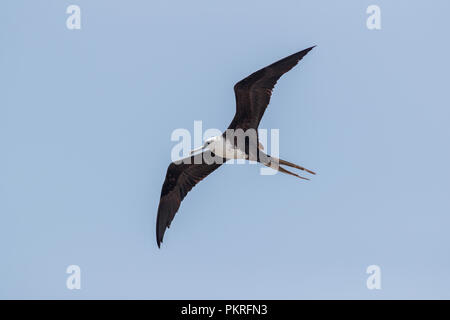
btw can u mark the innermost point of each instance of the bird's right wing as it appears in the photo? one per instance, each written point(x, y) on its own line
point(253, 93)
point(180, 179)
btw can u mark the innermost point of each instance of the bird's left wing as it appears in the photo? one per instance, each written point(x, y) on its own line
point(180, 179)
point(253, 93)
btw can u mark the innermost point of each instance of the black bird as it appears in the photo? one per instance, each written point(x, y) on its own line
point(252, 97)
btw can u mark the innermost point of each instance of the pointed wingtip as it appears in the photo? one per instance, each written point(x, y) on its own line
point(302, 53)
point(158, 239)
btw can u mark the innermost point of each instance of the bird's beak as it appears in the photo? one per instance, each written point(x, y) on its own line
point(197, 149)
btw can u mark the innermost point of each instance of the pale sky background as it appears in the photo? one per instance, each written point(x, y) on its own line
point(85, 123)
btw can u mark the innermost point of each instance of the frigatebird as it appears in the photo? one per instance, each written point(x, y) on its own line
point(252, 98)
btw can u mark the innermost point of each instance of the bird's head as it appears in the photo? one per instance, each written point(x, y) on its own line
point(206, 144)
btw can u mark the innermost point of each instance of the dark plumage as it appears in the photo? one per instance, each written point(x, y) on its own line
point(252, 98)
point(180, 179)
point(253, 93)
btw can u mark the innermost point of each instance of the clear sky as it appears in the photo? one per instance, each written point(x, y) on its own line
point(85, 123)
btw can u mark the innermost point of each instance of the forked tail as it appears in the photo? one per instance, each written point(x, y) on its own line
point(275, 163)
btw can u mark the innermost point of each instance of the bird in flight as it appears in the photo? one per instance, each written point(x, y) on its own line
point(240, 141)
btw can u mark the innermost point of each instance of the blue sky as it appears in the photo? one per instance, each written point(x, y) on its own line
point(85, 123)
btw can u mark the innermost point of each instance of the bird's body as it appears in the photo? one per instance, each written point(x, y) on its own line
point(239, 141)
point(226, 149)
